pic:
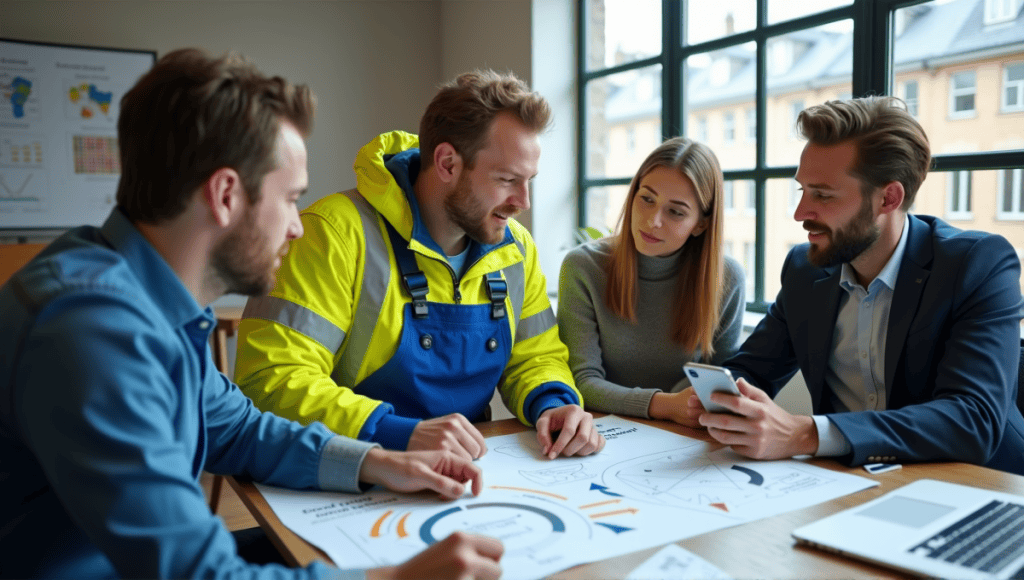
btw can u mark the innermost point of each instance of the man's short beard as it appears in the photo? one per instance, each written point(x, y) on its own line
point(238, 260)
point(465, 211)
point(849, 241)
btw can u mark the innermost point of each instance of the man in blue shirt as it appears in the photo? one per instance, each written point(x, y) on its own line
point(905, 328)
point(110, 405)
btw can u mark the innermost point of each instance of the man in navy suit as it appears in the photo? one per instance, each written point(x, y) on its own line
point(905, 328)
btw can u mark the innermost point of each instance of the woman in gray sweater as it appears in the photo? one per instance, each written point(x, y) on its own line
point(635, 306)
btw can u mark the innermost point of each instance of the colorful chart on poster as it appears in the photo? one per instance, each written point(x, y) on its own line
point(59, 158)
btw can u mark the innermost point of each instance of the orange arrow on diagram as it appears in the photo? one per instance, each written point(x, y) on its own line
point(614, 513)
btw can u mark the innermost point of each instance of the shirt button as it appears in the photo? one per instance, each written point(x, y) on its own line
point(871, 398)
point(204, 324)
point(426, 341)
point(863, 355)
point(492, 344)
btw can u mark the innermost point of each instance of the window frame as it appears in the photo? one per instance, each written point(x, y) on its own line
point(955, 93)
point(872, 73)
point(959, 181)
point(1016, 187)
point(916, 109)
point(1005, 107)
point(992, 17)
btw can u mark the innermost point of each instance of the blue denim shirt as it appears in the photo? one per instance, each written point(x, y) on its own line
point(111, 406)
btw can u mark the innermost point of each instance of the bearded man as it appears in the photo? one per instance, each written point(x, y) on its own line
point(414, 295)
point(905, 328)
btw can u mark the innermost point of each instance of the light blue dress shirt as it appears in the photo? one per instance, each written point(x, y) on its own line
point(856, 367)
point(111, 407)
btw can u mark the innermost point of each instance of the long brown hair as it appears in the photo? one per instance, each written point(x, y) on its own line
point(698, 300)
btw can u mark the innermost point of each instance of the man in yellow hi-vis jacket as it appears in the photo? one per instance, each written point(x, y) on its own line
point(411, 297)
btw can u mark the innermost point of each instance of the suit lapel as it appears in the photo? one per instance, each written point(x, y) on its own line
point(914, 271)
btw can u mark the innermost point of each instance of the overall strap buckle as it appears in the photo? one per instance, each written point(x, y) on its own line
point(413, 279)
point(497, 290)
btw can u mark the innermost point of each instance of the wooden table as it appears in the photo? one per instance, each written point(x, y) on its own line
point(759, 549)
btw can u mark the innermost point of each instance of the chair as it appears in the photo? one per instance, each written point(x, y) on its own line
point(227, 325)
point(14, 256)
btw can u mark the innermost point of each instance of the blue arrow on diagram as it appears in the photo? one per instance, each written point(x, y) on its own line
point(614, 528)
point(603, 490)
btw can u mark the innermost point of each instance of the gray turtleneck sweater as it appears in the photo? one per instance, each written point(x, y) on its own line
point(618, 365)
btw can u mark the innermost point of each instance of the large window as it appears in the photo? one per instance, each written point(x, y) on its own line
point(734, 73)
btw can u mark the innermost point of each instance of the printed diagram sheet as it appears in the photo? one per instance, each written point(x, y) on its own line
point(648, 487)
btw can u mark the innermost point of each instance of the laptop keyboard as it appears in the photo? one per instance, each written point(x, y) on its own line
point(987, 540)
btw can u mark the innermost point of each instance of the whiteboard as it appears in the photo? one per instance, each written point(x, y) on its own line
point(59, 162)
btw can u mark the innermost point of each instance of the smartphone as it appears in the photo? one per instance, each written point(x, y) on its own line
point(707, 379)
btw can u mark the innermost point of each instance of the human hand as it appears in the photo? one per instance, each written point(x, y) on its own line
point(760, 428)
point(460, 556)
point(683, 408)
point(449, 433)
point(578, 435)
point(408, 471)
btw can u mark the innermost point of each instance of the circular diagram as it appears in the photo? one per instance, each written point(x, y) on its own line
point(520, 527)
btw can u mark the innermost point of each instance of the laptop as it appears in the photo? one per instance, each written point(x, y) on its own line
point(930, 528)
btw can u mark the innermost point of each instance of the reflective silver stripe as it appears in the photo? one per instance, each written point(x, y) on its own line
point(376, 274)
point(532, 326)
point(295, 317)
point(515, 277)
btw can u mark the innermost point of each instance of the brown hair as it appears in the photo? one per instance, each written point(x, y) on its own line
point(891, 145)
point(699, 287)
point(191, 115)
point(462, 112)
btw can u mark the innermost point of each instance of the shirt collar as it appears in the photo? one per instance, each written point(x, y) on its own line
point(889, 272)
point(159, 281)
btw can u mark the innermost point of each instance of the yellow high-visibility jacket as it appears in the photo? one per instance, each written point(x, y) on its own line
point(336, 313)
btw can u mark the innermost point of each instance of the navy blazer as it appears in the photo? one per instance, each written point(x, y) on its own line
point(951, 352)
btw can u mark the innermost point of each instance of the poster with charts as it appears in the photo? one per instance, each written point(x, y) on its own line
point(648, 487)
point(59, 159)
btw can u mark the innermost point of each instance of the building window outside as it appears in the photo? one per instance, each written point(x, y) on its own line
point(998, 11)
point(958, 187)
point(1013, 88)
point(803, 67)
point(910, 97)
point(631, 139)
point(1010, 186)
point(961, 95)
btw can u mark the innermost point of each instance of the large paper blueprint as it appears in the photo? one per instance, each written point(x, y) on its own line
point(646, 488)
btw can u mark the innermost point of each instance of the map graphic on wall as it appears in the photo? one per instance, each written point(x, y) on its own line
point(86, 101)
point(59, 158)
point(19, 102)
